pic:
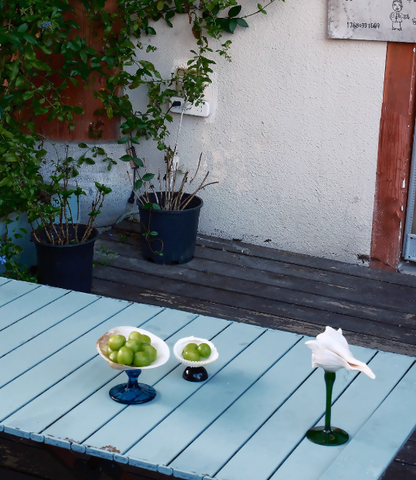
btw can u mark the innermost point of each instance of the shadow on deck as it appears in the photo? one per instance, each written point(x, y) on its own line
point(271, 288)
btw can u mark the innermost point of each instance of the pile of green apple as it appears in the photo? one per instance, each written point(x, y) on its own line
point(195, 353)
point(136, 350)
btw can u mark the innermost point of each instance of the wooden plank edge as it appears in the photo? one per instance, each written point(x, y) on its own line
point(135, 294)
point(289, 257)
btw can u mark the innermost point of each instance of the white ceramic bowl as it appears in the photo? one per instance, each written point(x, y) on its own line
point(180, 345)
point(163, 352)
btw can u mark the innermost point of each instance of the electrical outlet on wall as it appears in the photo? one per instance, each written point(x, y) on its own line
point(178, 104)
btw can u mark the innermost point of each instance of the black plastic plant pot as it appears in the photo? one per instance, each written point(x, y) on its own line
point(174, 232)
point(66, 266)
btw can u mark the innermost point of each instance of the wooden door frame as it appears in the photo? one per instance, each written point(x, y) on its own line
point(394, 155)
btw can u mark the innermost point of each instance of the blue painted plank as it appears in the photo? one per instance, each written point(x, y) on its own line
point(81, 384)
point(13, 289)
point(172, 390)
point(212, 399)
point(268, 448)
point(27, 356)
point(24, 305)
point(44, 318)
point(375, 445)
point(98, 409)
point(354, 408)
point(211, 451)
point(3, 280)
point(88, 323)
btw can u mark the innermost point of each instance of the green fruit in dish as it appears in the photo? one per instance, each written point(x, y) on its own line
point(204, 350)
point(141, 359)
point(134, 345)
point(113, 356)
point(191, 347)
point(151, 352)
point(191, 355)
point(135, 335)
point(145, 339)
point(125, 356)
point(115, 342)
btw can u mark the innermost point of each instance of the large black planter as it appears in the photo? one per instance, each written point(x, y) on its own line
point(176, 233)
point(66, 266)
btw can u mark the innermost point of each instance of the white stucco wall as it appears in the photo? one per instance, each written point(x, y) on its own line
point(292, 137)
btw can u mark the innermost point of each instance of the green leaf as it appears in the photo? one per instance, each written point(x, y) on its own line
point(234, 11)
point(179, 5)
point(30, 38)
point(232, 25)
point(4, 181)
point(84, 56)
point(22, 28)
point(123, 140)
point(147, 177)
point(82, 145)
point(126, 158)
point(242, 22)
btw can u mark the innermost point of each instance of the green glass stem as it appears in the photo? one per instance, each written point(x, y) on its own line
point(328, 435)
point(329, 382)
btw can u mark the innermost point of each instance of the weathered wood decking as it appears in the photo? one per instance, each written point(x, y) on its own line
point(262, 286)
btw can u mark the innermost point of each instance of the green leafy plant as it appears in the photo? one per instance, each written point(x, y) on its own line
point(9, 258)
point(103, 256)
point(43, 51)
point(169, 191)
point(49, 211)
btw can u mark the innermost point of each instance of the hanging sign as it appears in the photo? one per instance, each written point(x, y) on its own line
point(383, 20)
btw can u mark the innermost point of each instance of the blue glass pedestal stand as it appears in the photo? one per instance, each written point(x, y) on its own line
point(132, 392)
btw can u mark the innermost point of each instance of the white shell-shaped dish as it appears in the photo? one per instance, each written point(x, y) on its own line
point(163, 352)
point(180, 345)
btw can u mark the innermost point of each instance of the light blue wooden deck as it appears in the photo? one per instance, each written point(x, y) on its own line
point(246, 422)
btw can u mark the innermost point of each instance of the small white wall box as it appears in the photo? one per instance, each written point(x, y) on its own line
point(178, 104)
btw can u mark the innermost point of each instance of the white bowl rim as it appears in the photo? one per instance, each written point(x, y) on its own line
point(180, 344)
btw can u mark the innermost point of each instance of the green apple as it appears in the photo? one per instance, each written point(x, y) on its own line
point(204, 350)
point(146, 339)
point(113, 356)
point(151, 352)
point(135, 335)
point(141, 359)
point(134, 345)
point(191, 346)
point(115, 342)
point(125, 356)
point(191, 355)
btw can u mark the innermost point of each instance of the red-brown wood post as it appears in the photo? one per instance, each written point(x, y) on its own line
point(394, 156)
point(78, 95)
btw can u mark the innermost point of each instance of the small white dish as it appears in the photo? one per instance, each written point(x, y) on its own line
point(180, 345)
point(163, 352)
